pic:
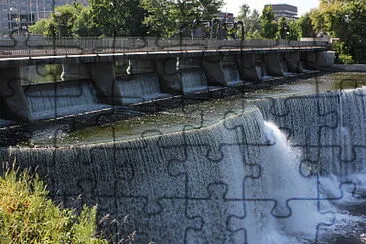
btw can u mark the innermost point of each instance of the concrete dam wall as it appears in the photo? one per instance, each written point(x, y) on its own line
point(96, 86)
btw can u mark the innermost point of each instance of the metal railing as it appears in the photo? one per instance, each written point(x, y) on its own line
point(39, 46)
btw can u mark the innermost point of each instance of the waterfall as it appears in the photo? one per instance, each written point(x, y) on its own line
point(193, 80)
point(232, 75)
point(140, 88)
point(259, 176)
point(262, 70)
point(51, 100)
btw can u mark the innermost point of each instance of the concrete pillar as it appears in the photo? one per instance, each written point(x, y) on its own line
point(138, 66)
point(325, 58)
point(247, 67)
point(75, 71)
point(319, 59)
point(170, 81)
point(231, 70)
point(273, 64)
point(14, 105)
point(192, 74)
point(103, 76)
point(293, 62)
point(214, 71)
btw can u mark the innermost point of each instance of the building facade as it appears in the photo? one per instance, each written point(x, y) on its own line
point(19, 14)
point(284, 10)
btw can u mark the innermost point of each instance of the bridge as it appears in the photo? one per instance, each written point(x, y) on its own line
point(157, 68)
point(33, 49)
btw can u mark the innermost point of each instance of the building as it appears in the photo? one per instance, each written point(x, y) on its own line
point(227, 17)
point(19, 14)
point(284, 10)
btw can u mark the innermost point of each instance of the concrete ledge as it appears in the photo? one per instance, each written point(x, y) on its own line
point(349, 67)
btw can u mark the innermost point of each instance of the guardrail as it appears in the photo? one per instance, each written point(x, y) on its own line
point(36, 46)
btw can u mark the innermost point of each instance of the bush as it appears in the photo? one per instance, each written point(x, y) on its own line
point(346, 59)
point(28, 216)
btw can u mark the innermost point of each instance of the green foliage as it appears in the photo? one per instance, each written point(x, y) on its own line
point(84, 24)
point(345, 20)
point(282, 28)
point(102, 17)
point(306, 27)
point(27, 216)
point(346, 59)
point(288, 29)
point(294, 31)
point(40, 27)
point(268, 23)
point(117, 17)
point(169, 18)
point(60, 23)
point(251, 20)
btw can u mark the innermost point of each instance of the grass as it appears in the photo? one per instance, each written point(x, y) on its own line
point(28, 216)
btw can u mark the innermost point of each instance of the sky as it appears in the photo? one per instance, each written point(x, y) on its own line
point(303, 6)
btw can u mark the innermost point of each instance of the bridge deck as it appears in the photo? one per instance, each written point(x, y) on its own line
point(12, 58)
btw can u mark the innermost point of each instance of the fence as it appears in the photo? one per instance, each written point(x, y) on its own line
point(39, 46)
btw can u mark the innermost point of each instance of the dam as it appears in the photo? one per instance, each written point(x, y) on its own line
point(156, 69)
point(270, 165)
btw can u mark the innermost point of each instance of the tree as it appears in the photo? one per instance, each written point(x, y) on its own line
point(268, 24)
point(171, 17)
point(282, 28)
point(293, 31)
point(288, 29)
point(344, 19)
point(40, 27)
point(60, 23)
point(117, 17)
point(102, 17)
point(306, 26)
point(84, 24)
point(250, 19)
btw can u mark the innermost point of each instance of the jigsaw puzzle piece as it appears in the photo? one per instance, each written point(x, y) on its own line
point(221, 217)
point(140, 171)
point(157, 228)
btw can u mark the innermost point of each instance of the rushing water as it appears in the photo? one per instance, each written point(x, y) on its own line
point(232, 75)
point(193, 80)
point(52, 100)
point(140, 88)
point(277, 170)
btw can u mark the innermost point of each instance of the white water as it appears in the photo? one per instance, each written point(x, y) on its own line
point(232, 75)
point(193, 80)
point(140, 88)
point(53, 100)
point(242, 179)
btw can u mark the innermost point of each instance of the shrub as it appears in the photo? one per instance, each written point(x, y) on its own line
point(28, 216)
point(346, 59)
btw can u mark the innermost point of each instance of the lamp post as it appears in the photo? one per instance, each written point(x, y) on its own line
point(17, 18)
point(241, 24)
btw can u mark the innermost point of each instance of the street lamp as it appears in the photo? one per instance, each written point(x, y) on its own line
point(241, 24)
point(17, 18)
